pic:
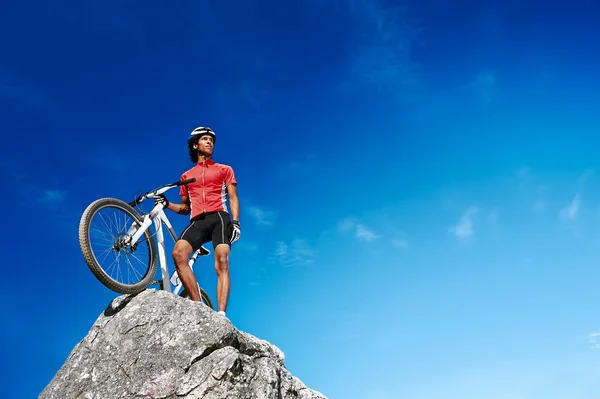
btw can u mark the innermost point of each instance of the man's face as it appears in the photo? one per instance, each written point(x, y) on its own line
point(206, 144)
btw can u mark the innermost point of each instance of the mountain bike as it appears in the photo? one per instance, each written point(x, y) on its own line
point(126, 236)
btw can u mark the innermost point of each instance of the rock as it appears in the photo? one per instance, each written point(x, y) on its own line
point(158, 345)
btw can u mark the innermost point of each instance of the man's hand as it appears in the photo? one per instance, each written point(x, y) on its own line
point(161, 199)
point(236, 232)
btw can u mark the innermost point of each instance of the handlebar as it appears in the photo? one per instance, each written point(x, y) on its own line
point(181, 183)
point(150, 194)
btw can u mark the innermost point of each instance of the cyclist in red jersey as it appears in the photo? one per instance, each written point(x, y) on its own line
point(210, 220)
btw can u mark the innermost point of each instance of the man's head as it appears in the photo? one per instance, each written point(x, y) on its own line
point(201, 143)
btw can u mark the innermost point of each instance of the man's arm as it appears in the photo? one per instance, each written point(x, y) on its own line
point(183, 208)
point(234, 202)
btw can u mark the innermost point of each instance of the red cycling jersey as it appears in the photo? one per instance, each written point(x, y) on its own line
point(209, 192)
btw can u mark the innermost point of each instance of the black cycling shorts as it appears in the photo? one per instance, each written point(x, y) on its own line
point(212, 226)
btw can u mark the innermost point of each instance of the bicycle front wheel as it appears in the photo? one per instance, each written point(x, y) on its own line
point(103, 232)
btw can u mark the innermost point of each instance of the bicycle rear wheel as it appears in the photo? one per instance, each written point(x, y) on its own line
point(121, 267)
point(203, 295)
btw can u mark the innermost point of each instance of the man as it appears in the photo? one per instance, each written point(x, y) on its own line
point(209, 219)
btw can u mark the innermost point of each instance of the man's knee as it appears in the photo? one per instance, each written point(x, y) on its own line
point(222, 261)
point(222, 258)
point(181, 252)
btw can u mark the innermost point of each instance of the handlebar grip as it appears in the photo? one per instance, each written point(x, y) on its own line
point(193, 179)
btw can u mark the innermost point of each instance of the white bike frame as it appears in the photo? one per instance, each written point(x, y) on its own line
point(158, 217)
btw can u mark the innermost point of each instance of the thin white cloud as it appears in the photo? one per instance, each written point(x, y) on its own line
point(593, 340)
point(52, 204)
point(570, 211)
point(34, 196)
point(464, 228)
point(261, 216)
point(281, 250)
point(359, 230)
point(52, 197)
point(364, 233)
point(296, 253)
point(346, 225)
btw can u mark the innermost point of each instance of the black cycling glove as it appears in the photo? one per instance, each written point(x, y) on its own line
point(235, 232)
point(161, 199)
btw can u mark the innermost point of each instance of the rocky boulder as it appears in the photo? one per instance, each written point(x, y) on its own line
point(158, 345)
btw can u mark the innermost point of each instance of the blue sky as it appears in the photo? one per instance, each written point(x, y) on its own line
point(418, 181)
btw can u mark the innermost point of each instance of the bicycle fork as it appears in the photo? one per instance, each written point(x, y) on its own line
point(161, 254)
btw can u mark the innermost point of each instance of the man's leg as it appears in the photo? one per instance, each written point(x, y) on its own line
point(222, 268)
point(181, 257)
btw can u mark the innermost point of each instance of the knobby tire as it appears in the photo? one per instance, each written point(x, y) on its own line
point(203, 295)
point(92, 262)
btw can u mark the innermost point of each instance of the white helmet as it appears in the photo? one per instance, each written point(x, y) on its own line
point(204, 130)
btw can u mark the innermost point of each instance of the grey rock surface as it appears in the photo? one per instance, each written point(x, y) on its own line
point(158, 345)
